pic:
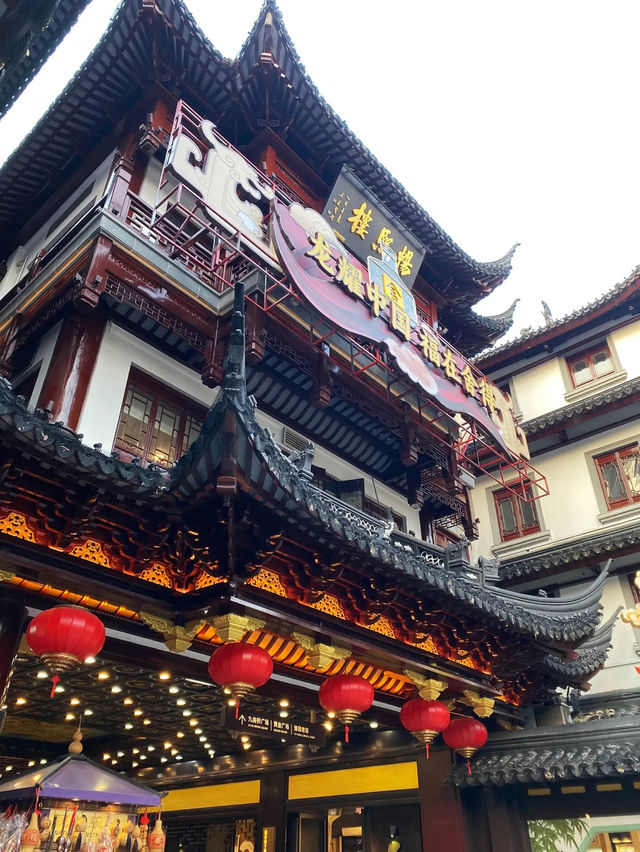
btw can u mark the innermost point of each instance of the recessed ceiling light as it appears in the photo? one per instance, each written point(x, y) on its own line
point(174, 751)
point(134, 764)
point(21, 700)
point(59, 689)
point(31, 763)
point(69, 717)
point(88, 712)
point(207, 745)
point(331, 714)
point(113, 762)
point(74, 701)
point(284, 702)
point(179, 735)
point(373, 724)
point(138, 712)
point(186, 712)
point(231, 702)
point(151, 748)
point(42, 674)
point(193, 722)
point(128, 701)
point(89, 660)
point(198, 731)
point(103, 675)
point(164, 676)
point(245, 746)
point(43, 761)
point(178, 757)
point(328, 726)
point(174, 689)
point(116, 688)
point(9, 768)
point(128, 726)
point(181, 702)
point(143, 757)
point(146, 721)
point(244, 738)
point(163, 760)
point(135, 751)
point(202, 739)
point(167, 744)
point(120, 754)
point(283, 714)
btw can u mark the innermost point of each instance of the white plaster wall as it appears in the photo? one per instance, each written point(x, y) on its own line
point(626, 343)
point(619, 671)
point(22, 257)
point(571, 509)
point(540, 389)
point(149, 186)
point(43, 353)
point(119, 351)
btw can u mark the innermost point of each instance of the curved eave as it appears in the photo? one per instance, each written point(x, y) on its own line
point(125, 61)
point(18, 72)
point(471, 332)
point(590, 656)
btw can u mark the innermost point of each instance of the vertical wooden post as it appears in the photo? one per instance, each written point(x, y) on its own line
point(13, 618)
point(71, 366)
point(272, 813)
point(507, 823)
point(440, 810)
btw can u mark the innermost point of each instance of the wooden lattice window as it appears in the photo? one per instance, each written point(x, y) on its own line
point(591, 365)
point(516, 517)
point(156, 424)
point(619, 474)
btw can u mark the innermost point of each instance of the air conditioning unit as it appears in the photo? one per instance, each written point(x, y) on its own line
point(294, 440)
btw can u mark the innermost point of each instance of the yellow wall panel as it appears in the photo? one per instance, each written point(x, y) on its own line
point(348, 782)
point(213, 796)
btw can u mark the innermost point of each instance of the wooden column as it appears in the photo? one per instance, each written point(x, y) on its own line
point(13, 618)
point(440, 810)
point(69, 372)
point(507, 823)
point(272, 812)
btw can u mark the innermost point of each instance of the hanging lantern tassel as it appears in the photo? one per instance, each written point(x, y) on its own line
point(346, 696)
point(466, 736)
point(63, 637)
point(425, 719)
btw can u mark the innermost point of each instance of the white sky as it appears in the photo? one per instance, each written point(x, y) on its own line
point(510, 121)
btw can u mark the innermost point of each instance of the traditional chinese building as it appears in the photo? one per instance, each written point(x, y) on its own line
point(574, 382)
point(239, 407)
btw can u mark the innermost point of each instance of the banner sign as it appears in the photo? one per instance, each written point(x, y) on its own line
point(374, 302)
point(263, 725)
point(365, 226)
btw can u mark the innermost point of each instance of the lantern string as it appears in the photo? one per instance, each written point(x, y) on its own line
point(55, 680)
point(426, 748)
point(468, 767)
point(346, 733)
point(237, 706)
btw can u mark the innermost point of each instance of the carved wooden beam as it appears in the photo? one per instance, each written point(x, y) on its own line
point(320, 655)
point(428, 688)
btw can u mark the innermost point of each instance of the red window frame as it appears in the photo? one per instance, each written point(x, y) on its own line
point(617, 458)
point(523, 526)
point(189, 419)
point(589, 357)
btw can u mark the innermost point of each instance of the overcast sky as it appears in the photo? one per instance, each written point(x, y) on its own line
point(510, 121)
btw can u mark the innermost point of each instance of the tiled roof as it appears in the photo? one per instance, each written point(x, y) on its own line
point(531, 336)
point(602, 749)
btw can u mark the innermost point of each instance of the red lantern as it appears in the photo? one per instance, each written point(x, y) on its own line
point(240, 668)
point(465, 736)
point(425, 719)
point(64, 637)
point(347, 696)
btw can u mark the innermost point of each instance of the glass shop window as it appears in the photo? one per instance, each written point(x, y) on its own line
point(516, 517)
point(619, 474)
point(156, 424)
point(590, 365)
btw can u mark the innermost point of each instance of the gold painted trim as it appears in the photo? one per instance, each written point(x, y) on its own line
point(576, 789)
point(539, 791)
point(608, 788)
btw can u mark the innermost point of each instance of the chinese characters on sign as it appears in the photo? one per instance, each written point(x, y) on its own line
point(365, 228)
point(387, 297)
point(261, 724)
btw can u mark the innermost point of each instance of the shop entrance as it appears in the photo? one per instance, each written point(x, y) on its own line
point(371, 828)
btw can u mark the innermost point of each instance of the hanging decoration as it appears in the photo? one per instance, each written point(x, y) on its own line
point(347, 696)
point(465, 736)
point(63, 637)
point(425, 719)
point(240, 668)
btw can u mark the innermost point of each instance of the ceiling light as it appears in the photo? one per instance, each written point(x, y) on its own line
point(135, 751)
point(245, 746)
point(143, 757)
point(138, 712)
point(42, 674)
point(116, 688)
point(164, 676)
point(174, 751)
point(120, 754)
point(179, 735)
point(244, 738)
point(21, 700)
point(113, 762)
point(211, 752)
point(69, 717)
point(128, 726)
point(9, 768)
point(198, 731)
point(88, 712)
point(178, 757)
point(74, 701)
point(146, 721)
point(174, 689)
point(31, 763)
point(202, 739)
point(43, 761)
point(163, 760)
point(186, 712)
point(134, 764)
point(151, 748)
point(89, 660)
point(167, 744)
point(207, 745)
point(193, 722)
point(283, 714)
point(128, 701)
point(226, 690)
point(181, 702)
point(373, 724)
point(284, 702)
point(231, 702)
point(103, 675)
point(328, 726)
point(59, 688)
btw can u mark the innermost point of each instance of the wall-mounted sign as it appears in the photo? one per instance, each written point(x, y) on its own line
point(366, 227)
point(374, 302)
point(261, 724)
